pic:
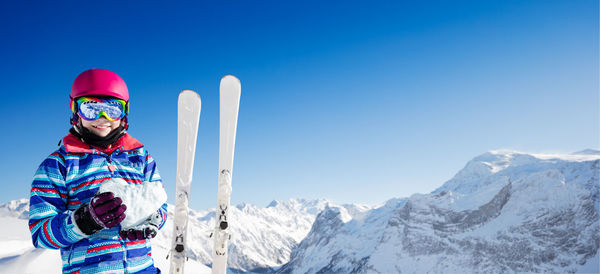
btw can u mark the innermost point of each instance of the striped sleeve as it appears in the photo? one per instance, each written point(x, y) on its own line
point(151, 174)
point(163, 214)
point(50, 222)
point(150, 171)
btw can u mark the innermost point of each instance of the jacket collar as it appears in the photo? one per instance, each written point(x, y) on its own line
point(75, 145)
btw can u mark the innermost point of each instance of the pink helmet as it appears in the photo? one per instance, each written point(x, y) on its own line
point(99, 82)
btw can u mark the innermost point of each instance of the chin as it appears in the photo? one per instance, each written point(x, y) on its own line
point(102, 133)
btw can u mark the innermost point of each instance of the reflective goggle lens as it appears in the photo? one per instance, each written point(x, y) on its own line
point(92, 108)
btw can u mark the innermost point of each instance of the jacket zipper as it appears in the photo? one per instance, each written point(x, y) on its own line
point(111, 166)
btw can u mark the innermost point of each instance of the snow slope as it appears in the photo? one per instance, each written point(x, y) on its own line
point(17, 254)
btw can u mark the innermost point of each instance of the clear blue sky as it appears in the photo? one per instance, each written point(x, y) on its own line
point(352, 101)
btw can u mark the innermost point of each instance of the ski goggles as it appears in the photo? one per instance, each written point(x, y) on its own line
point(91, 108)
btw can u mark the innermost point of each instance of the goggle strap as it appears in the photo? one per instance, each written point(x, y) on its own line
point(73, 106)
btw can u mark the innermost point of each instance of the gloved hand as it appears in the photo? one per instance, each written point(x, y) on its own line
point(104, 211)
point(138, 234)
point(146, 230)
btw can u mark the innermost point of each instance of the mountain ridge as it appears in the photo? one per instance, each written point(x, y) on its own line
point(504, 211)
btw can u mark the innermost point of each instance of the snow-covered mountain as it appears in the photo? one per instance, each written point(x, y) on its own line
point(17, 208)
point(262, 238)
point(505, 211)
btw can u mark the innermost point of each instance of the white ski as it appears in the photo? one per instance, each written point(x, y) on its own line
point(230, 90)
point(188, 115)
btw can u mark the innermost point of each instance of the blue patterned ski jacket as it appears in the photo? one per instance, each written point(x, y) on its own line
point(70, 177)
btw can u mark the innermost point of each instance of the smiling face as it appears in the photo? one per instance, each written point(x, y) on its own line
point(101, 127)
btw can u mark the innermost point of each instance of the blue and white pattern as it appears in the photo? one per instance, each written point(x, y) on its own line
point(70, 177)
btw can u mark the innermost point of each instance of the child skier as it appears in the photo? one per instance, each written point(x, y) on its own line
point(66, 210)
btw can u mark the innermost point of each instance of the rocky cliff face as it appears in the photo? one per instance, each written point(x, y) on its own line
point(504, 212)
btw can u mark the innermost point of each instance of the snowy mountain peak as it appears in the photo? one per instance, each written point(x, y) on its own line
point(308, 206)
point(498, 166)
point(506, 211)
point(16, 208)
point(497, 160)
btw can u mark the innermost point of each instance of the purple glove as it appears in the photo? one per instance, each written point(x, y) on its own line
point(136, 234)
point(147, 230)
point(104, 211)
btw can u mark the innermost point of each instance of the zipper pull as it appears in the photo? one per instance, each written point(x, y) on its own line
point(111, 167)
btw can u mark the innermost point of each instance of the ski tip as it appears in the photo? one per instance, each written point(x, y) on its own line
point(188, 92)
point(230, 77)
